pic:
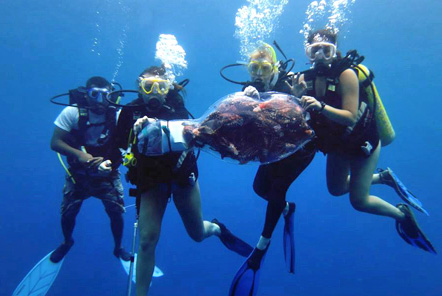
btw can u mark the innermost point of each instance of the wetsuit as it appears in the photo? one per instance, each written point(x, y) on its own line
point(153, 170)
point(273, 180)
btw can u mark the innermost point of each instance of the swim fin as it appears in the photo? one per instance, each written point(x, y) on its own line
point(289, 238)
point(232, 242)
point(157, 272)
point(40, 279)
point(389, 178)
point(246, 280)
point(411, 233)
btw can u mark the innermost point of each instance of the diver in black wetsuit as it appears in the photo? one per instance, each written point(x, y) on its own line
point(158, 178)
point(273, 180)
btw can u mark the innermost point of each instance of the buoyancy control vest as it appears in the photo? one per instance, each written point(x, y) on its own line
point(95, 138)
point(370, 111)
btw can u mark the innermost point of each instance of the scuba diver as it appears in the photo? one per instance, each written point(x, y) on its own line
point(84, 133)
point(158, 178)
point(273, 180)
point(351, 125)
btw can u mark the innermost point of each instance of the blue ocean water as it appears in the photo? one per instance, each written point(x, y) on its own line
point(46, 49)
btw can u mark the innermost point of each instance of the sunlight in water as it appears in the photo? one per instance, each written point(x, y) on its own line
point(172, 55)
point(326, 14)
point(256, 22)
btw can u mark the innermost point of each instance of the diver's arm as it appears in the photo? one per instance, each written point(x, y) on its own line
point(349, 91)
point(298, 87)
point(60, 143)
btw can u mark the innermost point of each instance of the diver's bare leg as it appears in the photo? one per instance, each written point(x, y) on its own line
point(152, 207)
point(360, 183)
point(188, 203)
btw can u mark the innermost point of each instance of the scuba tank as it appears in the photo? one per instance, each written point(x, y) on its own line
point(383, 123)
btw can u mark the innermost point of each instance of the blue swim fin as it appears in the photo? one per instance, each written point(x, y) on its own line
point(232, 242)
point(289, 238)
point(389, 178)
point(246, 280)
point(411, 233)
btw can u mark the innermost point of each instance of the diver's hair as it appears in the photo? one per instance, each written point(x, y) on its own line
point(261, 53)
point(328, 34)
point(159, 71)
point(154, 70)
point(97, 81)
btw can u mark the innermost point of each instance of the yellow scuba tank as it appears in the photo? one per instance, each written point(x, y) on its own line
point(384, 127)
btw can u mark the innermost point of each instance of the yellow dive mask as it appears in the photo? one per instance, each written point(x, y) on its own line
point(262, 68)
point(151, 84)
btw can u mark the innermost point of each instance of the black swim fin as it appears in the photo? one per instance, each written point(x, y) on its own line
point(389, 178)
point(289, 238)
point(246, 280)
point(232, 242)
point(411, 233)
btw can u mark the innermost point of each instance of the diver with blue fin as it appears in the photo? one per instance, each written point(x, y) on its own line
point(272, 180)
point(371, 108)
point(351, 125)
point(160, 178)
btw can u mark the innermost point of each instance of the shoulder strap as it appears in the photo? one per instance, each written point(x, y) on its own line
point(83, 119)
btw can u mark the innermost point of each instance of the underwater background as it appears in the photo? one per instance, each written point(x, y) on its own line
point(48, 47)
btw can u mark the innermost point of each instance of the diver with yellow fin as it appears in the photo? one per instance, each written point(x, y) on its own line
point(351, 125)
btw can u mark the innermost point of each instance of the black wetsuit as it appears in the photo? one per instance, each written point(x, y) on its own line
point(153, 170)
point(273, 180)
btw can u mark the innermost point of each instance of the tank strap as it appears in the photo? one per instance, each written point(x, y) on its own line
point(369, 80)
point(361, 112)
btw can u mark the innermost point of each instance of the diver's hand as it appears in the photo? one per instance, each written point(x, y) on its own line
point(251, 91)
point(105, 167)
point(88, 160)
point(139, 124)
point(84, 158)
point(310, 104)
point(298, 89)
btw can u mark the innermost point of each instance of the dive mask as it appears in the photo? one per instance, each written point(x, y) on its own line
point(155, 84)
point(98, 95)
point(260, 68)
point(320, 50)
